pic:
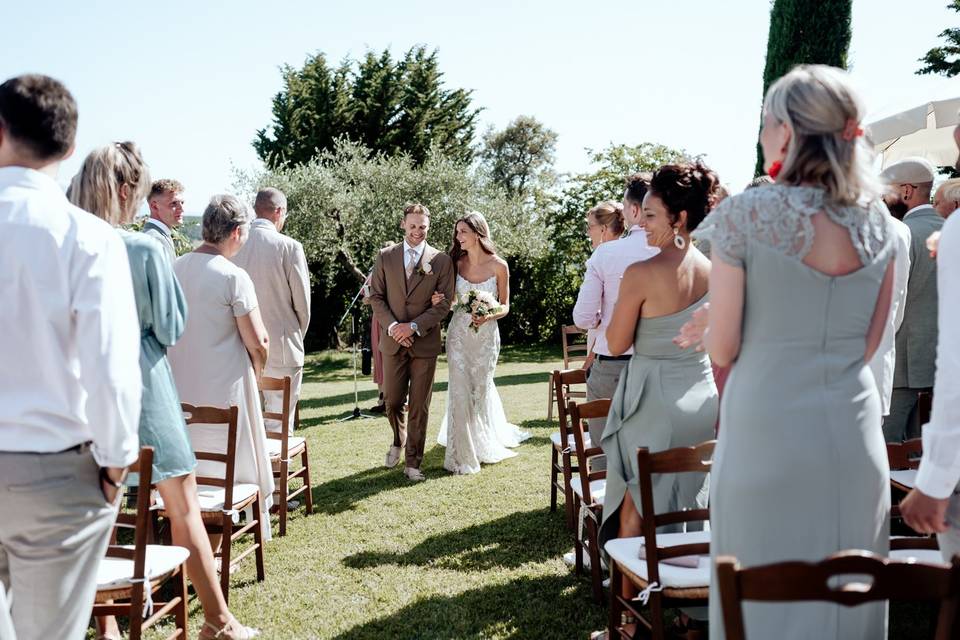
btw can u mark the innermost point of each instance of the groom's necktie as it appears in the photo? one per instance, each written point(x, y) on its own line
point(412, 260)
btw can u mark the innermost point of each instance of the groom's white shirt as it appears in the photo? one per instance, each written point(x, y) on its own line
point(601, 284)
point(407, 261)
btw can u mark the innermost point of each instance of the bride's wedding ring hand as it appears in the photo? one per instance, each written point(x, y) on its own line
point(692, 333)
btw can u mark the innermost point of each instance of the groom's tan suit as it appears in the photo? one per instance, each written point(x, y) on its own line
point(408, 371)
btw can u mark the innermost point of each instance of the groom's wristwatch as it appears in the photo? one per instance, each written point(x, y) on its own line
point(415, 328)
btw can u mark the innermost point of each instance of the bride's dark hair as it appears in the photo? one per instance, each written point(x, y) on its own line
point(477, 224)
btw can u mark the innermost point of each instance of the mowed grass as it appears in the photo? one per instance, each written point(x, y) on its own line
point(453, 557)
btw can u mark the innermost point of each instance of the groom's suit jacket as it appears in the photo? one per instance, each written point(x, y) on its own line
point(394, 298)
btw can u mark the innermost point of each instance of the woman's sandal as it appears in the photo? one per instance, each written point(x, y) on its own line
point(233, 630)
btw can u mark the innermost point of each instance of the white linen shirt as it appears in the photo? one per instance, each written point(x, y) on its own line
point(939, 470)
point(601, 284)
point(885, 359)
point(70, 346)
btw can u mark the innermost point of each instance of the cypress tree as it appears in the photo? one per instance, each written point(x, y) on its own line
point(805, 32)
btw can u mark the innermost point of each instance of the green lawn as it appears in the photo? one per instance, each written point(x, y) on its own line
point(453, 557)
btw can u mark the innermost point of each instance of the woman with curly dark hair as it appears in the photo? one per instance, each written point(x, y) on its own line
point(666, 396)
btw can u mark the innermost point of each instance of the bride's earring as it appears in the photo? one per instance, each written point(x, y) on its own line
point(678, 240)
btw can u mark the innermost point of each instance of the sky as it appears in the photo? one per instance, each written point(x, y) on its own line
point(192, 82)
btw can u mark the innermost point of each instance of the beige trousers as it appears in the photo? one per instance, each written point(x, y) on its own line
point(273, 400)
point(50, 551)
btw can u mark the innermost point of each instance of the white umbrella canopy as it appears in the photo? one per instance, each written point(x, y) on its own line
point(924, 130)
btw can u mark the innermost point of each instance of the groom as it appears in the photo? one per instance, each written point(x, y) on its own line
point(405, 276)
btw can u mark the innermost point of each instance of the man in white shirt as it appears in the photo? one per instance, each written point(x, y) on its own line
point(598, 296)
point(166, 213)
point(70, 376)
point(278, 267)
point(933, 506)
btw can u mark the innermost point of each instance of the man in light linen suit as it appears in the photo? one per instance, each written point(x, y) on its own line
point(278, 267)
point(166, 213)
point(916, 340)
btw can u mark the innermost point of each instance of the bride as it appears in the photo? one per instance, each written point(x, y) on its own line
point(475, 429)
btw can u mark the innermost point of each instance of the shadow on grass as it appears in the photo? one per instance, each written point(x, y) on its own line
point(438, 387)
point(510, 541)
point(549, 607)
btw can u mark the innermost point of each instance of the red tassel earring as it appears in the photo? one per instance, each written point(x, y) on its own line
point(775, 168)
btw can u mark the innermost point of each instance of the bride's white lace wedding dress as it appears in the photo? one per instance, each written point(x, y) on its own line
point(475, 428)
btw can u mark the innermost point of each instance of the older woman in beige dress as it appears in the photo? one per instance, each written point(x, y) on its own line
point(220, 356)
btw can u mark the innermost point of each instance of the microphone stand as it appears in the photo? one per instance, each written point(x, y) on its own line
point(356, 414)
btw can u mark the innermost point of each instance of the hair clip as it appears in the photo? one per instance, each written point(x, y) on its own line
point(851, 130)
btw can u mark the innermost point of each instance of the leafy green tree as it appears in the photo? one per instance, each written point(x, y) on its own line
point(520, 158)
point(346, 204)
point(944, 60)
point(805, 32)
point(389, 106)
point(545, 288)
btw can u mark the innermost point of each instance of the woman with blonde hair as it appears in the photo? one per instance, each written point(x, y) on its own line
point(604, 223)
point(800, 290)
point(112, 183)
point(475, 428)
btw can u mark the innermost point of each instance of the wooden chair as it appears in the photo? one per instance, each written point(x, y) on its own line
point(564, 448)
point(661, 577)
point(133, 573)
point(588, 491)
point(221, 500)
point(572, 352)
point(904, 459)
point(283, 449)
point(806, 581)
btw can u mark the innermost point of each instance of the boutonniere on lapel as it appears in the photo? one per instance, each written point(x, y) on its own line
point(425, 269)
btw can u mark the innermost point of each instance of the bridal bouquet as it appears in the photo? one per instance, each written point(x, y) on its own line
point(478, 303)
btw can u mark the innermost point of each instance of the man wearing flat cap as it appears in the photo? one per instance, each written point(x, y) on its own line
point(911, 182)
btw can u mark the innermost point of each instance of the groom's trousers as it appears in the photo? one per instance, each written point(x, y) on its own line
point(411, 379)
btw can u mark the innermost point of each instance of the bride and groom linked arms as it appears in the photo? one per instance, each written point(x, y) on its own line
point(412, 287)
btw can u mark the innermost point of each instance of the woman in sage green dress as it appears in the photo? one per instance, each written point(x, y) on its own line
point(800, 290)
point(666, 396)
point(112, 184)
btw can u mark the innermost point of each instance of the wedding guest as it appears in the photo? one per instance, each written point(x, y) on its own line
point(666, 397)
point(934, 505)
point(69, 384)
point(598, 295)
point(278, 267)
point(802, 277)
point(224, 349)
point(883, 363)
point(604, 223)
point(112, 184)
point(946, 200)
point(916, 341)
point(166, 213)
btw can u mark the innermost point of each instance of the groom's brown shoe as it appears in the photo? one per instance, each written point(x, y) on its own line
point(414, 475)
point(393, 457)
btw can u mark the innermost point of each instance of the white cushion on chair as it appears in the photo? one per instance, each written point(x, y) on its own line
point(626, 552)
point(117, 573)
point(555, 437)
point(906, 477)
point(211, 498)
point(927, 556)
point(273, 446)
point(597, 488)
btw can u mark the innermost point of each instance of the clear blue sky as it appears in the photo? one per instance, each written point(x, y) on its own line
point(191, 82)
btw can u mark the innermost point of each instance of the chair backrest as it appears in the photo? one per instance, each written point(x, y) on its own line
point(579, 414)
point(278, 384)
point(561, 380)
point(905, 455)
point(227, 419)
point(813, 581)
point(696, 459)
point(572, 351)
point(140, 521)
